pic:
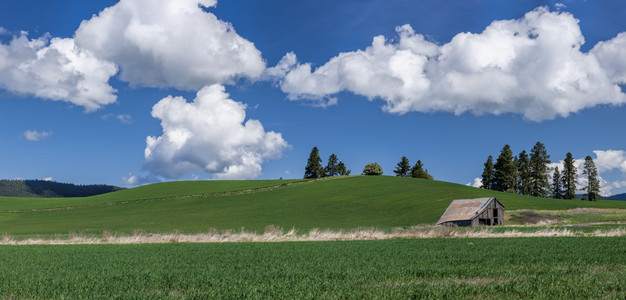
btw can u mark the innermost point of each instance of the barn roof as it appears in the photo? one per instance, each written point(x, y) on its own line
point(465, 209)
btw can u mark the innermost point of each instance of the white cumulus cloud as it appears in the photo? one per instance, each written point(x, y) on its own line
point(607, 160)
point(478, 182)
point(531, 66)
point(163, 43)
point(34, 135)
point(612, 57)
point(134, 180)
point(210, 134)
point(56, 69)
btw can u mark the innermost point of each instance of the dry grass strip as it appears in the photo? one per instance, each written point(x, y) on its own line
point(277, 234)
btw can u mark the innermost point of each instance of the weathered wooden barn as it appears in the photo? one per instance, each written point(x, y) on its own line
point(473, 212)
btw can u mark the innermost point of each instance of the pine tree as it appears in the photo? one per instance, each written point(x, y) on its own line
point(341, 169)
point(331, 166)
point(313, 167)
point(539, 179)
point(569, 177)
point(506, 171)
point(489, 174)
point(523, 174)
point(403, 167)
point(557, 191)
point(417, 171)
point(593, 184)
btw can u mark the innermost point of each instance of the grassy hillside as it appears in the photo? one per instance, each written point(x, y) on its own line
point(43, 188)
point(335, 203)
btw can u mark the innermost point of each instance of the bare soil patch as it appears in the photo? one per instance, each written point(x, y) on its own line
point(531, 217)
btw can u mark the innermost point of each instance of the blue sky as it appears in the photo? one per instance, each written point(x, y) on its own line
point(429, 91)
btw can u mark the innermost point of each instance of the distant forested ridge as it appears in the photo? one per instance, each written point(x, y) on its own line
point(617, 197)
point(51, 189)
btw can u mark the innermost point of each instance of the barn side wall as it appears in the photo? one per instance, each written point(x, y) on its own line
point(492, 215)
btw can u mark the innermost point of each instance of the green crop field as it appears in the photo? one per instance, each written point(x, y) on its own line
point(552, 268)
point(383, 202)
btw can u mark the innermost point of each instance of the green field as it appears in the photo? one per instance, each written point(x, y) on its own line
point(383, 202)
point(552, 268)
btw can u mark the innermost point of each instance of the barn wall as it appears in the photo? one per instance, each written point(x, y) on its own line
point(488, 215)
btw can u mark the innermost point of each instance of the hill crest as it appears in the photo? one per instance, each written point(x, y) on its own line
point(51, 189)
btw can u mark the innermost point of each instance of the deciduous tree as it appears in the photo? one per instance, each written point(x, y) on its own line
point(373, 169)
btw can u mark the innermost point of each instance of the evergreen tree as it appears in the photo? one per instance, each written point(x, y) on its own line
point(569, 177)
point(403, 167)
point(539, 179)
point(593, 184)
point(341, 169)
point(557, 191)
point(373, 169)
point(313, 167)
point(506, 171)
point(417, 171)
point(489, 174)
point(331, 167)
point(523, 174)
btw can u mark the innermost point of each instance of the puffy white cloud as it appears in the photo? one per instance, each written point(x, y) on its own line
point(612, 57)
point(163, 43)
point(607, 160)
point(47, 179)
point(134, 180)
point(56, 69)
point(283, 67)
point(34, 135)
point(531, 66)
point(209, 134)
point(478, 182)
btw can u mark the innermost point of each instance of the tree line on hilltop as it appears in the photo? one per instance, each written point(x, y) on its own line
point(314, 168)
point(47, 189)
point(334, 167)
point(529, 174)
point(404, 169)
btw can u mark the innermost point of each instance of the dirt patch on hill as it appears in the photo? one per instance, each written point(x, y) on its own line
point(531, 217)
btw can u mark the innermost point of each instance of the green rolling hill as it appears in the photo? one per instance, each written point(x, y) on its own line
point(332, 203)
